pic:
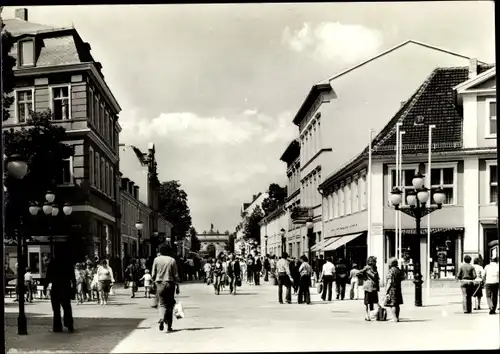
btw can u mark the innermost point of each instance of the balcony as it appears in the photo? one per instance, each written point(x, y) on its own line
point(300, 215)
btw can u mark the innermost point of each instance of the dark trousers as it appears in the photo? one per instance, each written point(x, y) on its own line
point(166, 299)
point(249, 276)
point(340, 289)
point(256, 277)
point(304, 293)
point(62, 299)
point(491, 295)
point(468, 288)
point(327, 287)
point(284, 280)
point(232, 284)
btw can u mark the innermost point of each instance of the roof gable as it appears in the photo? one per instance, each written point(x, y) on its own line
point(485, 80)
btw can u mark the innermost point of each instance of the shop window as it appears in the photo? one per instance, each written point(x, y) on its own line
point(34, 262)
point(493, 184)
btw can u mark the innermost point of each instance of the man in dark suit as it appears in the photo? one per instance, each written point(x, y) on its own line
point(234, 272)
point(342, 278)
point(61, 275)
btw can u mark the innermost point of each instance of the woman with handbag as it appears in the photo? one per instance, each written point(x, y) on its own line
point(478, 283)
point(393, 291)
point(371, 285)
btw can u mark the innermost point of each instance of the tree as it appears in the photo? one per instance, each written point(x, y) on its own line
point(252, 227)
point(174, 208)
point(8, 63)
point(195, 241)
point(230, 243)
point(41, 144)
point(276, 198)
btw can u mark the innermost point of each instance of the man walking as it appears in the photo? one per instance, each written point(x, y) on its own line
point(257, 270)
point(327, 275)
point(61, 275)
point(318, 265)
point(490, 279)
point(166, 277)
point(267, 268)
point(341, 279)
point(234, 272)
point(284, 279)
point(132, 277)
point(466, 275)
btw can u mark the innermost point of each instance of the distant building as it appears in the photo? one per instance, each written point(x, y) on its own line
point(240, 245)
point(213, 242)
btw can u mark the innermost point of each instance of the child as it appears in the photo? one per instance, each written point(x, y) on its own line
point(147, 283)
point(313, 279)
point(94, 287)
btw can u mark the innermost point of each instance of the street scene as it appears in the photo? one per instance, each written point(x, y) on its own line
point(250, 177)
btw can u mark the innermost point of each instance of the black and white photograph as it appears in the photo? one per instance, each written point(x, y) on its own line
point(249, 177)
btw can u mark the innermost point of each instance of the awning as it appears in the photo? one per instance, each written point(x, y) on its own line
point(341, 241)
point(317, 246)
point(327, 243)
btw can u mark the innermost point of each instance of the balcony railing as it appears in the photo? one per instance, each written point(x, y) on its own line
point(300, 215)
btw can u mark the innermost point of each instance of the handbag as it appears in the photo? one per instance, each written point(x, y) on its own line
point(238, 281)
point(319, 287)
point(381, 314)
point(178, 310)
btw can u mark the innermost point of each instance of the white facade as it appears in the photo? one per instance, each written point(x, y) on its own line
point(247, 210)
point(271, 226)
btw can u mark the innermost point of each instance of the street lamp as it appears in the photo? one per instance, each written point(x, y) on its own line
point(417, 200)
point(17, 168)
point(309, 226)
point(283, 241)
point(265, 239)
point(139, 226)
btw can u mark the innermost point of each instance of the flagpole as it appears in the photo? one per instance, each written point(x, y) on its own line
point(429, 170)
point(397, 184)
point(400, 236)
point(369, 206)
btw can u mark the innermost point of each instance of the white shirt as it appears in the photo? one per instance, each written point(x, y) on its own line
point(328, 268)
point(479, 271)
point(28, 276)
point(491, 273)
point(147, 279)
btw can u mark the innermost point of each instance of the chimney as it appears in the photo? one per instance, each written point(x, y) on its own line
point(472, 68)
point(131, 187)
point(136, 192)
point(22, 14)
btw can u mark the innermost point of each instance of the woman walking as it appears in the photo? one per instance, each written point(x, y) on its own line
point(478, 283)
point(218, 273)
point(355, 282)
point(250, 270)
point(393, 292)
point(105, 280)
point(371, 285)
point(305, 271)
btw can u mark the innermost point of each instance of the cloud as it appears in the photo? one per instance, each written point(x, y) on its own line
point(188, 128)
point(334, 41)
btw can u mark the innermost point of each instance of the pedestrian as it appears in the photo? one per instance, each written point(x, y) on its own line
point(234, 271)
point(61, 275)
point(153, 285)
point(284, 279)
point(224, 277)
point(132, 277)
point(478, 282)
point(80, 280)
point(250, 266)
point(267, 268)
point(207, 267)
point(318, 266)
point(355, 282)
point(257, 270)
point(466, 275)
point(305, 271)
point(490, 278)
point(147, 283)
point(393, 291)
point(166, 277)
point(341, 278)
point(371, 285)
point(294, 270)
point(28, 285)
point(88, 280)
point(327, 277)
point(218, 272)
point(105, 281)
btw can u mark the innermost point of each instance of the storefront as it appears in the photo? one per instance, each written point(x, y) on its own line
point(350, 247)
point(490, 235)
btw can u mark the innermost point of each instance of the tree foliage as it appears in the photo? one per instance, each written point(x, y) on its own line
point(276, 198)
point(195, 241)
point(252, 227)
point(8, 63)
point(174, 208)
point(42, 145)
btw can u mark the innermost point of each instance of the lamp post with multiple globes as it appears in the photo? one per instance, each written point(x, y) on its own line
point(265, 244)
point(139, 226)
point(417, 207)
point(283, 241)
point(309, 227)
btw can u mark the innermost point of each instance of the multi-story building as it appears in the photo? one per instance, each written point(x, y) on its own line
point(271, 228)
point(240, 245)
point(460, 102)
point(55, 70)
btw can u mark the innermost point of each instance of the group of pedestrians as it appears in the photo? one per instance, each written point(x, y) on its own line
point(474, 278)
point(224, 271)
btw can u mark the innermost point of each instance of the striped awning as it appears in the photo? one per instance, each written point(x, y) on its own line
point(341, 241)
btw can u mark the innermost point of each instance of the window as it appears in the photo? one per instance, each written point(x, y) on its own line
point(330, 208)
point(106, 179)
point(341, 201)
point(24, 104)
point(66, 176)
point(347, 197)
point(34, 262)
point(354, 196)
point(91, 116)
point(26, 53)
point(491, 170)
point(102, 120)
point(60, 103)
point(91, 167)
point(111, 133)
point(97, 178)
point(362, 192)
point(491, 109)
point(336, 203)
point(97, 117)
point(112, 183)
point(103, 175)
point(407, 174)
point(445, 178)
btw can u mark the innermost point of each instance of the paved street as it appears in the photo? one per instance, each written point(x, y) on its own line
point(254, 321)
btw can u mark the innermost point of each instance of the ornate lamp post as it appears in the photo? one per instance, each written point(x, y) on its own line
point(283, 240)
point(17, 168)
point(309, 226)
point(265, 240)
point(417, 208)
point(139, 226)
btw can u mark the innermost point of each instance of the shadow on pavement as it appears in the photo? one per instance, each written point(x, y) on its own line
point(244, 294)
point(97, 335)
point(411, 320)
point(196, 329)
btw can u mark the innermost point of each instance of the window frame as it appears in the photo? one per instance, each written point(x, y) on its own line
point(98, 170)
point(363, 197)
point(90, 104)
point(103, 174)
point(355, 194)
point(91, 165)
point(489, 164)
point(70, 103)
point(16, 101)
point(487, 102)
point(441, 166)
point(71, 173)
point(405, 167)
point(20, 55)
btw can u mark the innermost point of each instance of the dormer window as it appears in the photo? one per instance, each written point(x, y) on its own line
point(26, 52)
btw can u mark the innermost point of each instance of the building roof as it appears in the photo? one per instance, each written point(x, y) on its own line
point(291, 152)
point(435, 101)
point(310, 99)
point(17, 26)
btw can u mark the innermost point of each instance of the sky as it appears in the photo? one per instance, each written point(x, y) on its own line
point(215, 87)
